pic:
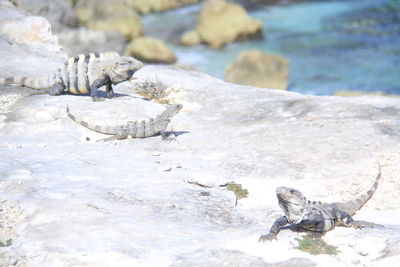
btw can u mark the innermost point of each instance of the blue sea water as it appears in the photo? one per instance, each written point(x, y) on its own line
point(331, 45)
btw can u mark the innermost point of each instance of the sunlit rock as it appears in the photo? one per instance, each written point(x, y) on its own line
point(260, 69)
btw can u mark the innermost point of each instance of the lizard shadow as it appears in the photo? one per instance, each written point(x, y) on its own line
point(296, 229)
point(102, 94)
point(176, 133)
point(115, 95)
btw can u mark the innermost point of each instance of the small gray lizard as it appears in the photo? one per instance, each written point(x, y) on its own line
point(83, 74)
point(143, 129)
point(317, 216)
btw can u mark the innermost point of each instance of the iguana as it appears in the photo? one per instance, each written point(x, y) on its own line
point(83, 74)
point(143, 129)
point(317, 216)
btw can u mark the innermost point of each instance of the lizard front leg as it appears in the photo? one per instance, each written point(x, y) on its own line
point(279, 223)
point(109, 90)
point(164, 134)
point(93, 90)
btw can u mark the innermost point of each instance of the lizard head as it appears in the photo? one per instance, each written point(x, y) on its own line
point(292, 202)
point(123, 69)
point(164, 118)
point(172, 110)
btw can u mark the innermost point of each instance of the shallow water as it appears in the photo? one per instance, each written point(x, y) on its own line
point(335, 45)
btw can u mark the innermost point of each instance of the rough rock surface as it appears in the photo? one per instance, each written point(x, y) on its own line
point(140, 201)
point(109, 15)
point(223, 257)
point(360, 93)
point(257, 68)
point(221, 22)
point(150, 50)
point(67, 200)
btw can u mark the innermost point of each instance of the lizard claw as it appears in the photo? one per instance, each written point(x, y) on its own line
point(267, 237)
point(97, 99)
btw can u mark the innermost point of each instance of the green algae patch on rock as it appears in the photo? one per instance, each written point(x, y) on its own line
point(150, 50)
point(256, 68)
point(223, 22)
point(238, 191)
point(6, 243)
point(315, 246)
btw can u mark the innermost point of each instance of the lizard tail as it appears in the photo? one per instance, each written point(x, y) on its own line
point(96, 128)
point(354, 205)
point(34, 83)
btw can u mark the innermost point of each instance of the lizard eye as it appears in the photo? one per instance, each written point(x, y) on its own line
point(291, 191)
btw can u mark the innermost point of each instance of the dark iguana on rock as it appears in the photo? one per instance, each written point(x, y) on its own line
point(83, 74)
point(317, 216)
point(143, 129)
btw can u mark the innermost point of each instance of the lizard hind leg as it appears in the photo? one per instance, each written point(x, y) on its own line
point(56, 89)
point(344, 219)
point(362, 224)
point(93, 90)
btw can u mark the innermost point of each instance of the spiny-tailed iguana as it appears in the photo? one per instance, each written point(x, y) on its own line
point(143, 129)
point(83, 74)
point(317, 216)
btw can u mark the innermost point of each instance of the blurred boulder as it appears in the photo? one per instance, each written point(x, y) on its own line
point(147, 6)
point(150, 50)
point(59, 13)
point(83, 41)
point(221, 22)
point(30, 29)
point(109, 15)
point(256, 68)
point(190, 38)
point(19, 28)
point(361, 93)
point(27, 47)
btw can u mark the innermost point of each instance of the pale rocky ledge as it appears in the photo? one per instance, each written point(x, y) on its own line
point(66, 201)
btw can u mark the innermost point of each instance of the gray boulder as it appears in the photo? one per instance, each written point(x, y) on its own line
point(58, 12)
point(82, 41)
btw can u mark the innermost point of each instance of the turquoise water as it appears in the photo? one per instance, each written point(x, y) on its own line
point(335, 45)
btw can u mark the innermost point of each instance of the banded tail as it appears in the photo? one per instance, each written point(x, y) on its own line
point(352, 206)
point(96, 128)
point(38, 83)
